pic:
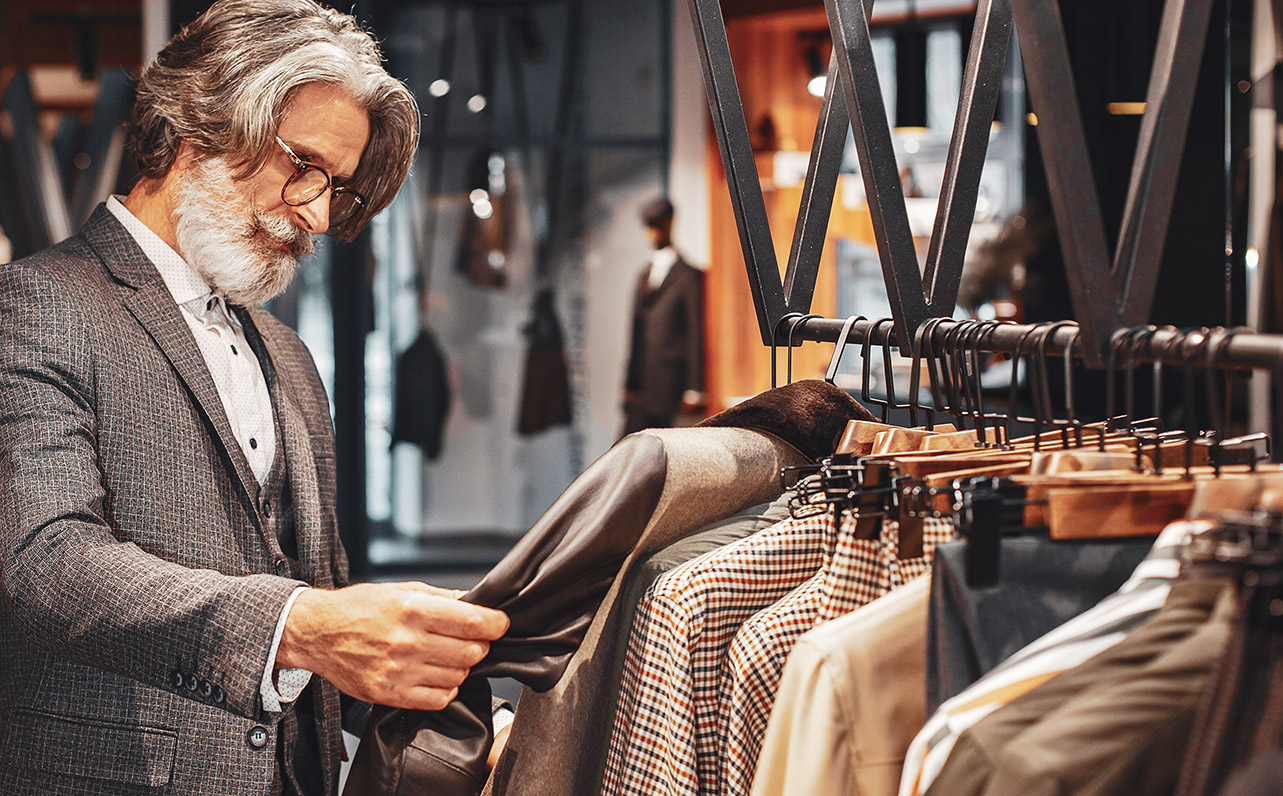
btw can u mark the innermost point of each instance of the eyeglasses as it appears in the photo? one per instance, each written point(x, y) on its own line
point(309, 181)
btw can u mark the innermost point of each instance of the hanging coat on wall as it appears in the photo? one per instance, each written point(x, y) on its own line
point(422, 395)
point(545, 390)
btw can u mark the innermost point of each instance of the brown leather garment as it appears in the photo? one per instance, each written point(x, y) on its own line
point(551, 584)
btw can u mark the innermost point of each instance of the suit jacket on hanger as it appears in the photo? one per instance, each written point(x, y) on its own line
point(140, 587)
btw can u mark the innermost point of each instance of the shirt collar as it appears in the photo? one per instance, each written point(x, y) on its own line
point(664, 257)
point(183, 283)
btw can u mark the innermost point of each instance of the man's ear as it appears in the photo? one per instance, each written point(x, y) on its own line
point(183, 157)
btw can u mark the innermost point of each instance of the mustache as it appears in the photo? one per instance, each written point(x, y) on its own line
point(296, 240)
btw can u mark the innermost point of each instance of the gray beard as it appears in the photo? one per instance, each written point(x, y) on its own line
point(228, 243)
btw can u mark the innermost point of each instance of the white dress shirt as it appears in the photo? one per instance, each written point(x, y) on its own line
point(242, 389)
point(661, 262)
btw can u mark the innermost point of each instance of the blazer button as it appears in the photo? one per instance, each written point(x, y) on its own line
point(219, 694)
point(206, 689)
point(280, 567)
point(257, 736)
point(176, 679)
point(267, 510)
point(192, 682)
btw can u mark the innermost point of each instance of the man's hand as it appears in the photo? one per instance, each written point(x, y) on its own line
point(405, 645)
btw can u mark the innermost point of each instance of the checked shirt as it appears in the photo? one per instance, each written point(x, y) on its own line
point(859, 572)
point(664, 733)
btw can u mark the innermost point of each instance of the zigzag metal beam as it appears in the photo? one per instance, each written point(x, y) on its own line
point(1108, 293)
point(742, 178)
point(853, 83)
point(1112, 293)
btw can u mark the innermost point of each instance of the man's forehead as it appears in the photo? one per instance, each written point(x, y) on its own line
point(324, 125)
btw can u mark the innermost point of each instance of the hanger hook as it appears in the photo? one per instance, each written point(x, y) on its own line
point(1132, 351)
point(969, 372)
point(994, 416)
point(984, 329)
point(922, 348)
point(1013, 398)
point(1042, 344)
point(955, 348)
point(1220, 422)
point(843, 337)
point(775, 333)
point(1117, 342)
point(888, 367)
point(1193, 341)
point(794, 325)
point(867, 371)
point(1070, 410)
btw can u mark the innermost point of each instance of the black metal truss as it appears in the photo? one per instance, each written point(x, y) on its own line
point(1108, 292)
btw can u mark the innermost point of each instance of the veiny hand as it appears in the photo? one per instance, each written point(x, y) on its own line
point(405, 645)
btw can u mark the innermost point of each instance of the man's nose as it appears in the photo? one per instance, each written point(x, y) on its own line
point(316, 214)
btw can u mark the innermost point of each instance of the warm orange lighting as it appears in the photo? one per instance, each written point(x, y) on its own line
point(1126, 108)
point(1032, 118)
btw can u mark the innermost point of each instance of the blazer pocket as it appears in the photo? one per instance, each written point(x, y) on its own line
point(83, 748)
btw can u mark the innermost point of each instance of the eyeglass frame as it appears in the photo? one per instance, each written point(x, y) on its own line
point(300, 166)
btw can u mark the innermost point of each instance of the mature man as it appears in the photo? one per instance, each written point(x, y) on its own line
point(166, 456)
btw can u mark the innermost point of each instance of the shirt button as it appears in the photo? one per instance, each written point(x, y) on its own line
point(257, 736)
point(253, 443)
point(235, 353)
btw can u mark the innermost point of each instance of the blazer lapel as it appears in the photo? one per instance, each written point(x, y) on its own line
point(152, 305)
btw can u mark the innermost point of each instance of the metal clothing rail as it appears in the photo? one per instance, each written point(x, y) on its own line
point(1236, 348)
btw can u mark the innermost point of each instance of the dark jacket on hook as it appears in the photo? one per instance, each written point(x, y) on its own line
point(553, 581)
point(545, 389)
point(422, 395)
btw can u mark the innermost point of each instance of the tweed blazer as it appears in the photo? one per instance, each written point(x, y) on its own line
point(138, 585)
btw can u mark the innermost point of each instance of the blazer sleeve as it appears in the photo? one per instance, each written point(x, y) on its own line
point(695, 332)
point(69, 583)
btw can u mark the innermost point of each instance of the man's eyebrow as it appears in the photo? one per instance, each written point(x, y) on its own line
point(312, 156)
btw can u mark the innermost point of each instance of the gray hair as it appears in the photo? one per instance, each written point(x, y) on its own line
point(223, 83)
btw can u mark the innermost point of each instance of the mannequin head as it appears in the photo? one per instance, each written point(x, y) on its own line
point(657, 216)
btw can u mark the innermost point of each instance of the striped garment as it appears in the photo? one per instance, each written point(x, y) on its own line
point(664, 736)
point(1073, 643)
point(861, 570)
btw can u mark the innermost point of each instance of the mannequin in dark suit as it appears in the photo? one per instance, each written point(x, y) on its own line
point(666, 359)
